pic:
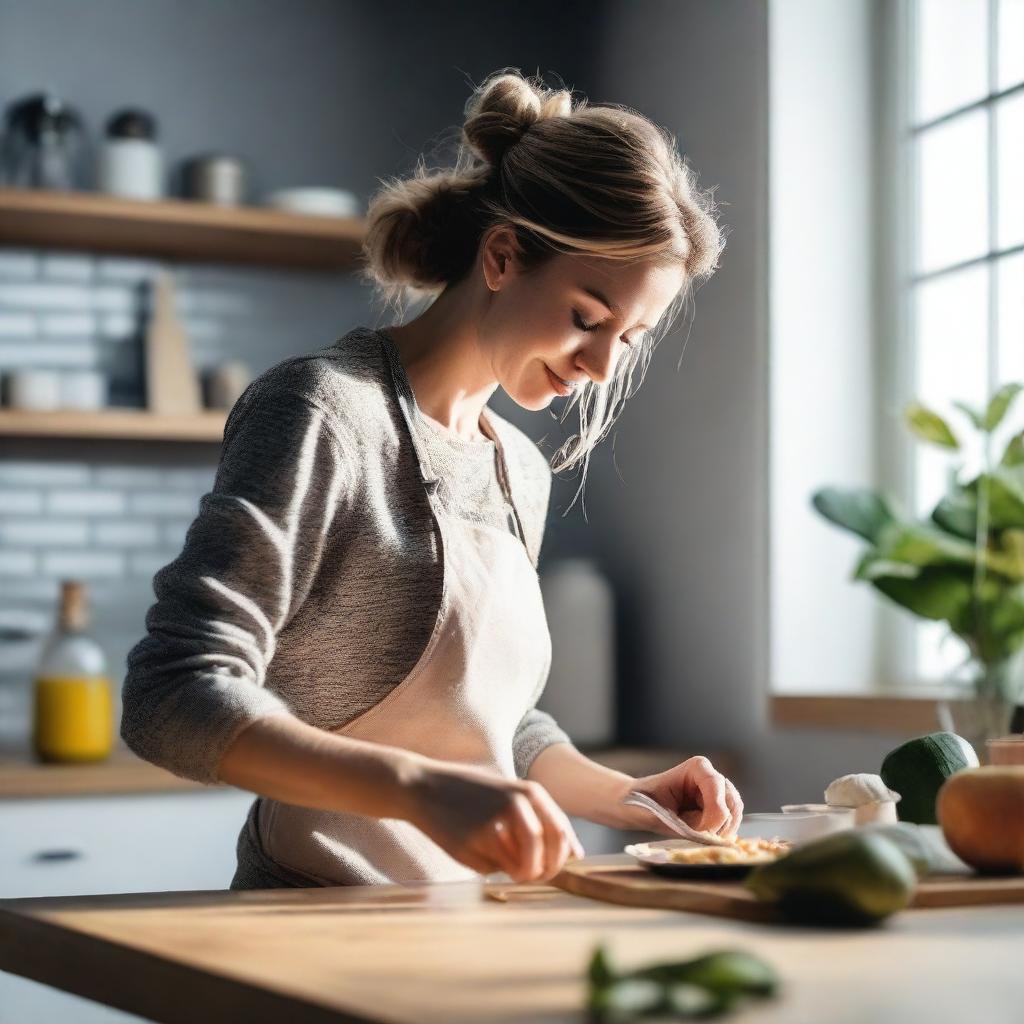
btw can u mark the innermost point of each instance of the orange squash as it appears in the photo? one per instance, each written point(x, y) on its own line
point(981, 811)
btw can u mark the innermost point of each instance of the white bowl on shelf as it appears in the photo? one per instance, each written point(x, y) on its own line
point(319, 202)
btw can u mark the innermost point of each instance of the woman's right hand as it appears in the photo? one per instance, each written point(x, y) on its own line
point(489, 822)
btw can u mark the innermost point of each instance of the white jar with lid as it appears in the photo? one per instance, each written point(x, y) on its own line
point(130, 162)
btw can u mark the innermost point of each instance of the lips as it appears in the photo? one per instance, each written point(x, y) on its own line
point(556, 382)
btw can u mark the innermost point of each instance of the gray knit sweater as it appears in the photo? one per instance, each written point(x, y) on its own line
point(310, 579)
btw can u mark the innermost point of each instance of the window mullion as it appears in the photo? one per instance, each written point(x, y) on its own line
point(993, 197)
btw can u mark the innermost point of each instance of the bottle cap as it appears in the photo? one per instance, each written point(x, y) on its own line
point(74, 605)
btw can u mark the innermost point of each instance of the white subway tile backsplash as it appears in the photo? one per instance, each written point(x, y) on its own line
point(40, 532)
point(131, 271)
point(190, 478)
point(17, 563)
point(119, 326)
point(18, 325)
point(40, 473)
point(83, 564)
point(219, 303)
point(174, 532)
point(47, 296)
point(86, 502)
point(113, 299)
point(147, 563)
point(163, 503)
point(207, 330)
point(127, 476)
point(13, 502)
point(66, 268)
point(78, 354)
point(63, 324)
point(126, 533)
point(17, 264)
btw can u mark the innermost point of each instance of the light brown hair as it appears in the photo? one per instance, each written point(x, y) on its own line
point(572, 177)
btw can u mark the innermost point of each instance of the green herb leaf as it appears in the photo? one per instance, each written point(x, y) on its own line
point(999, 405)
point(855, 509)
point(930, 426)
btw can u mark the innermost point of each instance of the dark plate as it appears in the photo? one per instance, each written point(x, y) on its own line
point(701, 872)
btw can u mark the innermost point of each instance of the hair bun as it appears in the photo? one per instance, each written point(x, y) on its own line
point(505, 106)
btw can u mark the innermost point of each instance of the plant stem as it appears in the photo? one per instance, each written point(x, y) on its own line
point(981, 545)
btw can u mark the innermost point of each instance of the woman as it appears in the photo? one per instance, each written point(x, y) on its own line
point(354, 628)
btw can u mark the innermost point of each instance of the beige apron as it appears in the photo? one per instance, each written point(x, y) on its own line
point(483, 668)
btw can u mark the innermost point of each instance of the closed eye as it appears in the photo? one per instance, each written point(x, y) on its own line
point(578, 321)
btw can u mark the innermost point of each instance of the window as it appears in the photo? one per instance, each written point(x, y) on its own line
point(962, 159)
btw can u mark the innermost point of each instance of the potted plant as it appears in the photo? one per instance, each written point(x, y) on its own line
point(963, 565)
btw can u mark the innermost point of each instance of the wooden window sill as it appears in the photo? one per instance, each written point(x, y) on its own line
point(897, 713)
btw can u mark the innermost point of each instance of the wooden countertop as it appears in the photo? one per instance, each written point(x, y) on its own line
point(447, 954)
point(23, 776)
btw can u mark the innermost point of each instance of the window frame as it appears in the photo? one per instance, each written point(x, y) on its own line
point(900, 278)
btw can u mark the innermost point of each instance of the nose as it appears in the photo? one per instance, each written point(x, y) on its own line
point(598, 359)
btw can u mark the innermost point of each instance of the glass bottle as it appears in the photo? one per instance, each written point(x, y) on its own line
point(73, 710)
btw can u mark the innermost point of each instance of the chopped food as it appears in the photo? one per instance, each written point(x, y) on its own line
point(742, 851)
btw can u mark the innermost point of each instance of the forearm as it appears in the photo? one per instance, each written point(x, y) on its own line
point(581, 787)
point(281, 757)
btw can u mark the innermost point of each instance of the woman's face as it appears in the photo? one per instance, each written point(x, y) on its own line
point(553, 322)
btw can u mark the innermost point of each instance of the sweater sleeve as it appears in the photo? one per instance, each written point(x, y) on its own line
point(538, 729)
point(196, 679)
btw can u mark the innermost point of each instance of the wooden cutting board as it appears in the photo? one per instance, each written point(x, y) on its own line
point(611, 880)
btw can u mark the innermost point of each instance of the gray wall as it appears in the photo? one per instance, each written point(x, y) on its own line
point(686, 535)
point(319, 91)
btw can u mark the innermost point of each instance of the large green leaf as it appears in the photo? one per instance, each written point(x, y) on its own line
point(872, 566)
point(936, 593)
point(1007, 616)
point(957, 513)
point(1014, 454)
point(923, 544)
point(999, 404)
point(855, 509)
point(1005, 496)
point(929, 426)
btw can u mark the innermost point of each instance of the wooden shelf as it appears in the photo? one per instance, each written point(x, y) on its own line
point(117, 424)
point(178, 229)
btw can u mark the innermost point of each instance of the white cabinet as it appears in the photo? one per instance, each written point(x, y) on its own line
point(68, 846)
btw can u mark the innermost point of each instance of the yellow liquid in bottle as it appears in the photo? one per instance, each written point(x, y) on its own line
point(74, 718)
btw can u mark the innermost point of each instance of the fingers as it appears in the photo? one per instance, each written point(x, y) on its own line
point(528, 833)
point(560, 840)
point(542, 835)
point(715, 810)
point(732, 798)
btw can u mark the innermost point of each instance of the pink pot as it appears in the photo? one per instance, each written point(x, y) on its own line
point(1006, 750)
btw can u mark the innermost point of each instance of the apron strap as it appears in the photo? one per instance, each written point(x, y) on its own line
point(508, 477)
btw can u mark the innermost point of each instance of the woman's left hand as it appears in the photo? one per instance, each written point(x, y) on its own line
point(704, 798)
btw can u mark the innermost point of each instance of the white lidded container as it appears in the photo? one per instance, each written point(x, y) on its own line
point(130, 163)
point(580, 608)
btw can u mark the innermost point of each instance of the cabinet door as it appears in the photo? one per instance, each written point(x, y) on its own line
point(141, 843)
point(86, 845)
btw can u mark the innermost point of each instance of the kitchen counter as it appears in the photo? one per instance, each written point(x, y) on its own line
point(500, 953)
point(21, 775)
